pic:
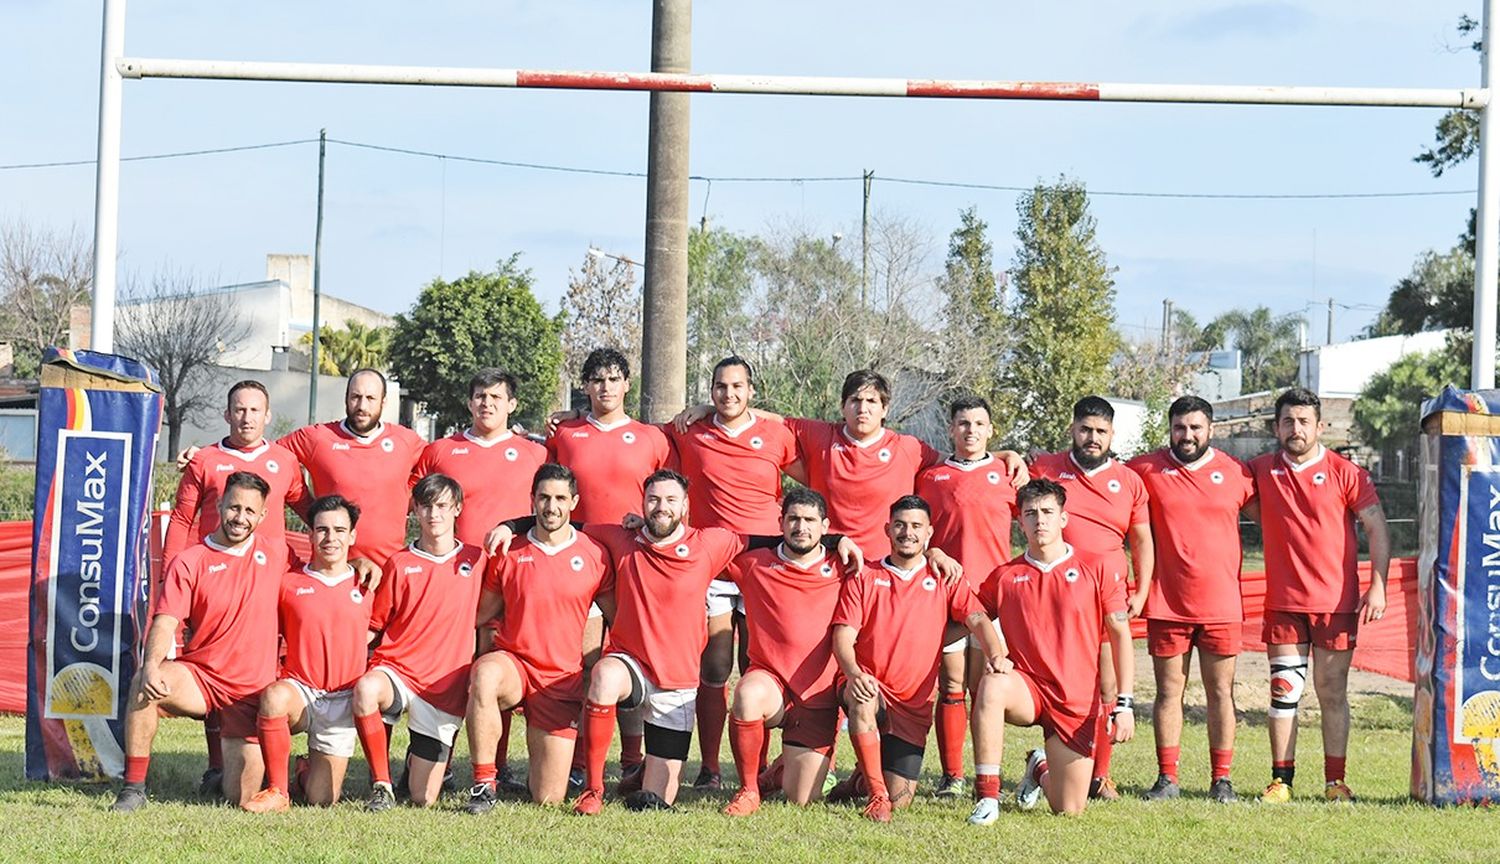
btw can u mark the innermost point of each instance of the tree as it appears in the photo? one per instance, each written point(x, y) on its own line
point(1267, 344)
point(478, 320)
point(1154, 374)
point(174, 326)
point(1437, 294)
point(602, 309)
point(357, 346)
point(1458, 130)
point(1387, 411)
point(976, 338)
point(1189, 336)
point(720, 280)
point(1064, 312)
point(43, 275)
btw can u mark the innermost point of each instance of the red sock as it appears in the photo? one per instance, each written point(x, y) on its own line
point(1103, 747)
point(1220, 760)
point(713, 710)
point(630, 750)
point(952, 723)
point(502, 747)
point(867, 745)
point(1333, 768)
point(372, 737)
point(600, 721)
point(1166, 761)
point(986, 785)
point(746, 738)
point(135, 769)
point(484, 774)
point(211, 738)
point(275, 750)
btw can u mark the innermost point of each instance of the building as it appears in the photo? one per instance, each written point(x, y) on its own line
point(1343, 369)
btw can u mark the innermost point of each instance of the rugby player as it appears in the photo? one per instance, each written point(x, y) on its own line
point(1051, 604)
point(1107, 507)
point(421, 665)
point(1195, 497)
point(325, 626)
point(540, 590)
point(888, 632)
point(1308, 499)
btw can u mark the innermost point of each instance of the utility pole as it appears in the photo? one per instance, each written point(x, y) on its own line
point(317, 321)
point(864, 243)
point(1166, 326)
point(664, 300)
point(1329, 339)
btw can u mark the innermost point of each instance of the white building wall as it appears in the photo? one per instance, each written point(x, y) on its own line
point(1343, 369)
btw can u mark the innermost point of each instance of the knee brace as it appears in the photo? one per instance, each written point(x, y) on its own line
point(667, 743)
point(429, 748)
point(1288, 680)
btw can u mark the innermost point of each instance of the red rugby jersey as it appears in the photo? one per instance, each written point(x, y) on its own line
point(659, 590)
point(973, 504)
point(901, 618)
point(860, 480)
point(202, 486)
point(734, 475)
point(1102, 504)
point(495, 475)
point(1052, 615)
point(227, 599)
point(1307, 519)
point(610, 462)
point(547, 591)
point(325, 623)
point(426, 621)
point(1195, 513)
point(789, 610)
point(371, 471)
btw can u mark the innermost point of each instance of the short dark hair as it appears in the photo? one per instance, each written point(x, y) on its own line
point(1039, 488)
point(1188, 405)
point(967, 402)
point(247, 480)
point(488, 377)
point(601, 360)
point(801, 496)
point(911, 502)
point(735, 360)
point(366, 370)
point(1093, 406)
point(664, 474)
point(432, 487)
point(1299, 397)
point(862, 378)
point(248, 384)
point(554, 471)
point(330, 503)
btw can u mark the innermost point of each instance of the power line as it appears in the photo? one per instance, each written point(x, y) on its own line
point(154, 156)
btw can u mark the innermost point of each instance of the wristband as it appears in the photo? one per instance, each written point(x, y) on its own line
point(1124, 702)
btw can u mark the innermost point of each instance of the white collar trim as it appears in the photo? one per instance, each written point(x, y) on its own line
point(436, 559)
point(549, 551)
point(1108, 460)
point(482, 442)
point(606, 427)
point(880, 436)
point(733, 433)
point(1207, 457)
point(987, 460)
point(329, 581)
point(237, 551)
point(1048, 568)
point(247, 455)
point(364, 439)
point(903, 575)
point(781, 553)
point(1322, 451)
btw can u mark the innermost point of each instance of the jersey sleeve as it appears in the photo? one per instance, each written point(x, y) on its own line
point(298, 496)
point(494, 574)
point(1360, 491)
point(607, 579)
point(177, 590)
point(927, 456)
point(665, 457)
point(990, 593)
point(1111, 594)
point(184, 512)
point(300, 442)
point(384, 603)
point(961, 601)
point(423, 467)
point(850, 610)
point(807, 435)
point(1140, 507)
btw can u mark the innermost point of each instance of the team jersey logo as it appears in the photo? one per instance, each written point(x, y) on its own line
point(929, 584)
point(459, 451)
point(681, 550)
point(628, 437)
point(1216, 477)
point(884, 455)
point(1071, 574)
point(993, 477)
point(1113, 485)
point(272, 466)
point(387, 445)
point(1320, 478)
point(511, 454)
point(465, 569)
point(356, 596)
point(756, 443)
point(305, 589)
point(826, 569)
point(576, 563)
point(260, 557)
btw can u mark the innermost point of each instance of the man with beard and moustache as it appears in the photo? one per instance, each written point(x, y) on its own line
point(1308, 498)
point(1196, 494)
point(1107, 504)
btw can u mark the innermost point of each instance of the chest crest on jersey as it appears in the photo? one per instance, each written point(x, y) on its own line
point(826, 570)
point(387, 445)
point(628, 437)
point(929, 584)
point(511, 454)
point(1320, 478)
point(272, 466)
point(356, 595)
point(465, 569)
point(1113, 486)
point(884, 455)
point(576, 563)
point(1216, 477)
point(993, 477)
point(682, 550)
point(1070, 575)
point(260, 557)
point(757, 442)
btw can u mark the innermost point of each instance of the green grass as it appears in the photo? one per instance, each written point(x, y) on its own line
point(70, 823)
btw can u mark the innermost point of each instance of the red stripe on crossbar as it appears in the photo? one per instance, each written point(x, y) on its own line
point(608, 81)
point(1011, 90)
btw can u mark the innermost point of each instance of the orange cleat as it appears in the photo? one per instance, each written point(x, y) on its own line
point(589, 803)
point(744, 802)
point(879, 809)
point(270, 800)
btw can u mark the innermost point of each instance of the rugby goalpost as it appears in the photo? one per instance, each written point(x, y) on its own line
point(115, 67)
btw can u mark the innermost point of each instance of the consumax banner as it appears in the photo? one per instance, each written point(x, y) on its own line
point(97, 422)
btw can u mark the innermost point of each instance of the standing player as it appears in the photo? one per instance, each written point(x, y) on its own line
point(541, 590)
point(1051, 604)
point(1107, 506)
point(1196, 494)
point(364, 460)
point(421, 666)
point(325, 625)
point(887, 636)
point(1309, 498)
point(972, 501)
point(790, 593)
point(224, 590)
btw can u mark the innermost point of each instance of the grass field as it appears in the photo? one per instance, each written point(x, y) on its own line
point(66, 823)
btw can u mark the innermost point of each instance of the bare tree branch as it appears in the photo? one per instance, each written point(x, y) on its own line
point(43, 275)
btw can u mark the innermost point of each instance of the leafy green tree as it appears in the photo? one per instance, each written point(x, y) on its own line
point(720, 281)
point(478, 320)
point(1064, 312)
point(1267, 344)
point(1386, 412)
point(976, 337)
point(1438, 293)
point(356, 346)
point(1458, 130)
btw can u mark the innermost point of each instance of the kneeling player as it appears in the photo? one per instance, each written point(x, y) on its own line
point(541, 589)
point(887, 637)
point(421, 667)
point(325, 624)
point(1051, 605)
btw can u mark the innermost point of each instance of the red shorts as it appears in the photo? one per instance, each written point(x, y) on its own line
point(1075, 729)
point(1175, 638)
point(909, 719)
point(236, 711)
point(1333, 631)
point(809, 720)
point(551, 704)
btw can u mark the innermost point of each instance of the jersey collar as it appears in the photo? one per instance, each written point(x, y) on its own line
point(903, 575)
point(844, 431)
point(237, 551)
point(1048, 568)
point(1206, 458)
point(606, 427)
point(1108, 461)
point(363, 439)
point(732, 433)
point(986, 460)
point(247, 455)
point(436, 559)
point(549, 551)
point(677, 537)
point(329, 581)
point(786, 559)
point(1322, 451)
point(475, 439)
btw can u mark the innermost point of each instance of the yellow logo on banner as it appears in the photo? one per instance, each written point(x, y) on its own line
point(1480, 723)
point(80, 690)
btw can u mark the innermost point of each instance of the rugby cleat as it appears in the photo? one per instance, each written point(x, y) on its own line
point(1103, 789)
point(630, 779)
point(1277, 793)
point(950, 786)
point(1029, 791)
point(708, 781)
point(641, 800)
point(129, 799)
point(986, 811)
point(1338, 792)
point(506, 781)
point(382, 798)
point(1221, 791)
point(1166, 789)
point(481, 799)
point(879, 809)
point(846, 790)
point(576, 779)
point(268, 800)
point(830, 780)
point(588, 803)
point(744, 802)
point(211, 785)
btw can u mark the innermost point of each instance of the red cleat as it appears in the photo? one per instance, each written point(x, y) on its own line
point(879, 809)
point(743, 803)
point(770, 779)
point(589, 803)
point(270, 800)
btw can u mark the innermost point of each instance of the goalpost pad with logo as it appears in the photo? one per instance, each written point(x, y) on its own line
point(97, 422)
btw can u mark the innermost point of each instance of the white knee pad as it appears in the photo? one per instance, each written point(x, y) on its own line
point(1288, 680)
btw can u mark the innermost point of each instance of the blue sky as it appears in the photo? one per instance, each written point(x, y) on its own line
point(394, 222)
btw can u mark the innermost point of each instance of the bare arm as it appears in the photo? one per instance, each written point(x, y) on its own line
point(158, 644)
point(1122, 716)
point(491, 603)
point(862, 684)
point(1252, 510)
point(606, 603)
point(1372, 605)
point(990, 643)
point(1143, 554)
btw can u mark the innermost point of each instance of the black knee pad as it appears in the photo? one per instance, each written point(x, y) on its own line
point(637, 696)
point(901, 757)
point(429, 748)
point(666, 743)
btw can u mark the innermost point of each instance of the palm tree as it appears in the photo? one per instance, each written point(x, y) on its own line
point(1267, 344)
point(357, 346)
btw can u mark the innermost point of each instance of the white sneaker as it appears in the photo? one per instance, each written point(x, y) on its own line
point(986, 811)
point(1029, 791)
